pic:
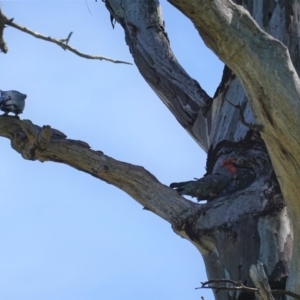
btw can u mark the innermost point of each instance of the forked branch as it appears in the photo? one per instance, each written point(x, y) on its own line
point(63, 43)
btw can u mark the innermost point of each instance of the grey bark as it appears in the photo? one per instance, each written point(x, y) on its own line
point(255, 224)
point(237, 229)
point(45, 144)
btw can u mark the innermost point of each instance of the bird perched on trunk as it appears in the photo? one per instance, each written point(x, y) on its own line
point(244, 177)
point(210, 186)
point(12, 101)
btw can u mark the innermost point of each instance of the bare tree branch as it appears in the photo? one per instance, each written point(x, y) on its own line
point(150, 47)
point(234, 286)
point(62, 42)
point(239, 286)
point(47, 144)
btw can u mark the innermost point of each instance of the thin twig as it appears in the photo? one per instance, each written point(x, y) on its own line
point(239, 286)
point(254, 127)
point(88, 7)
point(236, 283)
point(63, 43)
point(66, 41)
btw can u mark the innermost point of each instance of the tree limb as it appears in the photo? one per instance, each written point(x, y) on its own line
point(232, 285)
point(149, 45)
point(47, 144)
point(62, 42)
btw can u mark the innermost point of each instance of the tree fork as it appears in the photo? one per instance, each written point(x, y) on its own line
point(235, 37)
point(237, 229)
point(216, 228)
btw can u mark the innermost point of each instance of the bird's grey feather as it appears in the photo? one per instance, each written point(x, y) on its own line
point(206, 187)
point(12, 101)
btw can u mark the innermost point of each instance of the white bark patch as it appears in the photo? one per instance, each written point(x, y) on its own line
point(274, 231)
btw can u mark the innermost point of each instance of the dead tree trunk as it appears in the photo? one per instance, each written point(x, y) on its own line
point(253, 117)
point(254, 224)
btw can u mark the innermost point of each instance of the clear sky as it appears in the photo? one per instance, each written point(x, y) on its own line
point(63, 233)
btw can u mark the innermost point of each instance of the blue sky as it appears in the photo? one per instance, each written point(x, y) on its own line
point(63, 233)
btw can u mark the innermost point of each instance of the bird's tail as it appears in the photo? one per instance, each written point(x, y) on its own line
point(179, 184)
point(181, 187)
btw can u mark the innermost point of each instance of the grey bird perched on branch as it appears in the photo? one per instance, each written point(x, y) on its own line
point(12, 101)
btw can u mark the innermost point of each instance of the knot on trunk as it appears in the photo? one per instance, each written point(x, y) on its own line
point(30, 141)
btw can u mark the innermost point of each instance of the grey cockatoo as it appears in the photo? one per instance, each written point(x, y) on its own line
point(12, 101)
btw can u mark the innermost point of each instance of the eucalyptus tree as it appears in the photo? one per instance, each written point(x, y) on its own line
point(254, 117)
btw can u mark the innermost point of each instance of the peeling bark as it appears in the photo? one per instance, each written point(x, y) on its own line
point(253, 224)
point(269, 78)
point(238, 228)
point(260, 280)
point(231, 226)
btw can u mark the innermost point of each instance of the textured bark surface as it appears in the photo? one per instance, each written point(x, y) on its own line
point(150, 47)
point(223, 229)
point(271, 83)
point(236, 229)
point(46, 144)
